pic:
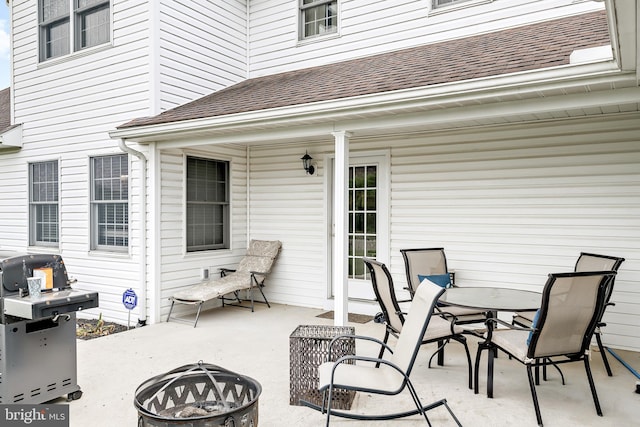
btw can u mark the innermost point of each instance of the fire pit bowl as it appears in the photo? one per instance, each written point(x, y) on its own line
point(198, 395)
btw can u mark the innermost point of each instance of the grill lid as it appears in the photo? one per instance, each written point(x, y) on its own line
point(16, 267)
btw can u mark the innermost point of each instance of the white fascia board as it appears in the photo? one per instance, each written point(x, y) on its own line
point(623, 18)
point(11, 138)
point(383, 103)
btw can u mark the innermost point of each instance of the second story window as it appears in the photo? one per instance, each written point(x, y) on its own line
point(318, 17)
point(440, 3)
point(71, 25)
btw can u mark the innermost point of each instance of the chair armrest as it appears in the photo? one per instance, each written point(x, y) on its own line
point(503, 323)
point(445, 315)
point(224, 271)
point(408, 289)
point(360, 337)
point(508, 325)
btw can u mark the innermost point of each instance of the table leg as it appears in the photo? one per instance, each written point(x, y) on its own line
point(493, 353)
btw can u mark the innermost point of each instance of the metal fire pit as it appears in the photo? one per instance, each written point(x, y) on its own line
point(198, 395)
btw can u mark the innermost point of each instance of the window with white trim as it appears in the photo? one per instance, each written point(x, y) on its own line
point(72, 25)
point(110, 202)
point(440, 3)
point(43, 204)
point(318, 17)
point(207, 204)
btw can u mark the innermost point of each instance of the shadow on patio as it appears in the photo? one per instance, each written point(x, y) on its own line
point(257, 345)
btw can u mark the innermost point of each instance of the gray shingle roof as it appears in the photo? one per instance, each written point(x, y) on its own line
point(530, 47)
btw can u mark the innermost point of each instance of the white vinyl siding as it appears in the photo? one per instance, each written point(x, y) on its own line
point(370, 27)
point(67, 106)
point(509, 204)
point(202, 48)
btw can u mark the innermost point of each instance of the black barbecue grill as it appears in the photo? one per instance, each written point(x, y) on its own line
point(38, 334)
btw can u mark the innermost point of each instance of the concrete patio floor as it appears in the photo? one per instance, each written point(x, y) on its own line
point(257, 344)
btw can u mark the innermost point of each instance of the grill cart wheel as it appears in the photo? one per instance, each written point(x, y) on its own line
point(74, 395)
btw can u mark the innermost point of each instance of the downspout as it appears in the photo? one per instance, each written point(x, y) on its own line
point(248, 199)
point(142, 319)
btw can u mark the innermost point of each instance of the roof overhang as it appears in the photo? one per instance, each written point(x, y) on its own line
point(595, 83)
point(474, 101)
point(11, 138)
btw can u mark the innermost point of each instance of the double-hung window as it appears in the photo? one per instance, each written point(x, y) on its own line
point(71, 25)
point(110, 202)
point(207, 219)
point(318, 17)
point(440, 3)
point(43, 203)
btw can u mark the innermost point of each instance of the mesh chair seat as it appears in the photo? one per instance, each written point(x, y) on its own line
point(384, 379)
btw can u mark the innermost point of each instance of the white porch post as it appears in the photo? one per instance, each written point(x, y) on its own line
point(340, 251)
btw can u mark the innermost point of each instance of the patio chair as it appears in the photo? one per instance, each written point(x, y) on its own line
point(586, 262)
point(571, 306)
point(383, 376)
point(432, 264)
point(250, 275)
point(442, 327)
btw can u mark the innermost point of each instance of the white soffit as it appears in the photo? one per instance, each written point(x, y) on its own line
point(11, 138)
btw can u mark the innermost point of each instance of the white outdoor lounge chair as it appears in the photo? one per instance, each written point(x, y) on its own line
point(382, 376)
point(250, 275)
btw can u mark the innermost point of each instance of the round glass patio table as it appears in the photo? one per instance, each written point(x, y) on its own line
point(492, 299)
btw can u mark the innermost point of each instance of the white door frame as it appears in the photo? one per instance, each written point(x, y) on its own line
point(382, 159)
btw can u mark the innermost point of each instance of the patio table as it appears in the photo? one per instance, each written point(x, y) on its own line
point(492, 300)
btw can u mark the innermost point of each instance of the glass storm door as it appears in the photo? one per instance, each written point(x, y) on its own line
point(367, 217)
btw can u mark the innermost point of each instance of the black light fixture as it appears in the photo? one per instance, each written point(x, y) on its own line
point(306, 164)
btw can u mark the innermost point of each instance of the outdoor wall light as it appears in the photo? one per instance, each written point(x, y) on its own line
point(306, 164)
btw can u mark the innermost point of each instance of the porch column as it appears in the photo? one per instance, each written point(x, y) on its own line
point(340, 271)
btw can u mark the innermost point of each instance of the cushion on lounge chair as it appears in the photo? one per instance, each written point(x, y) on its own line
point(214, 288)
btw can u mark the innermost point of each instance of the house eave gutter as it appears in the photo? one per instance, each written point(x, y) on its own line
point(414, 98)
point(11, 138)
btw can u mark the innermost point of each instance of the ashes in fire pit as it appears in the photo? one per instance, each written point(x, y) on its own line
point(197, 409)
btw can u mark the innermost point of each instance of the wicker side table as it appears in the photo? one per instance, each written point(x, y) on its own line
point(309, 347)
